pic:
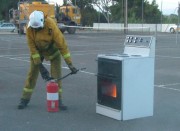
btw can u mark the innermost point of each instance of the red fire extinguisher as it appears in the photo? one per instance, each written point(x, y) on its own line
point(52, 88)
point(52, 97)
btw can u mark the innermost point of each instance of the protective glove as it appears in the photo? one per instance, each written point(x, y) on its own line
point(73, 69)
point(44, 73)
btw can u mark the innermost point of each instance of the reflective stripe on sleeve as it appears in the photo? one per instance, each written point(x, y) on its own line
point(35, 56)
point(28, 90)
point(60, 90)
point(66, 55)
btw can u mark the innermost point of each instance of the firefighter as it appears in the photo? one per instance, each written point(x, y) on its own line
point(45, 41)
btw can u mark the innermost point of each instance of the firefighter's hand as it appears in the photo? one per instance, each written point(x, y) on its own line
point(73, 69)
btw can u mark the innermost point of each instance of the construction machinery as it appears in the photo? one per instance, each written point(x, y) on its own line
point(68, 18)
point(21, 15)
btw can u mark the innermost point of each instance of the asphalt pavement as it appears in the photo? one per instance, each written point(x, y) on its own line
point(80, 90)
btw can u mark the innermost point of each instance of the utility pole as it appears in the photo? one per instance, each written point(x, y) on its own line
point(179, 11)
point(178, 24)
point(126, 17)
point(122, 6)
point(161, 15)
point(142, 14)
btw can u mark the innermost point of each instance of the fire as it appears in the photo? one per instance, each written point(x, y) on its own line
point(113, 91)
point(109, 89)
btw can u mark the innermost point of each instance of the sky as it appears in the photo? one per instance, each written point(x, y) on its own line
point(168, 6)
point(59, 2)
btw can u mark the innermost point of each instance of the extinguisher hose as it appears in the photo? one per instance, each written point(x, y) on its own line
point(60, 78)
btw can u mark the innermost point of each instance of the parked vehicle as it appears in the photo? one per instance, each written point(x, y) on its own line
point(7, 27)
point(1, 22)
point(175, 28)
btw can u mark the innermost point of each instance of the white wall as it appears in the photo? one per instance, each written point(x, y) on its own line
point(144, 27)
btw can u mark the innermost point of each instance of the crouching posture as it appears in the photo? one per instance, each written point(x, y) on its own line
point(45, 41)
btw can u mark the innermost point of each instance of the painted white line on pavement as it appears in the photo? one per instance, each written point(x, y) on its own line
point(173, 84)
point(96, 44)
point(45, 64)
point(14, 59)
point(22, 57)
point(12, 48)
point(169, 88)
point(95, 50)
point(73, 52)
point(90, 73)
point(173, 57)
point(13, 55)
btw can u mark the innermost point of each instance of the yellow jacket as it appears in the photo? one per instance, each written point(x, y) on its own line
point(48, 42)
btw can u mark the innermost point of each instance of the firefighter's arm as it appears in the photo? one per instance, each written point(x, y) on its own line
point(33, 50)
point(61, 44)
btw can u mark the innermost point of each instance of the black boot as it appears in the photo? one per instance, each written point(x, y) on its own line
point(62, 106)
point(23, 103)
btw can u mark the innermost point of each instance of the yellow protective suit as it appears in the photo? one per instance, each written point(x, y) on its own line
point(49, 43)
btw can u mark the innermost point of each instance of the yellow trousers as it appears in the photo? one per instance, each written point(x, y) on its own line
point(33, 75)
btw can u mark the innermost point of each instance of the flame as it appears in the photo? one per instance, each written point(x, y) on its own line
point(109, 89)
point(113, 91)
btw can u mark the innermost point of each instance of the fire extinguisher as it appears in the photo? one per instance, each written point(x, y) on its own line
point(52, 97)
point(52, 88)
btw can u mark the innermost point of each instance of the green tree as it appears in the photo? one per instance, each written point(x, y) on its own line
point(5, 6)
point(82, 4)
point(170, 19)
point(89, 16)
point(117, 12)
point(151, 13)
point(104, 7)
point(88, 13)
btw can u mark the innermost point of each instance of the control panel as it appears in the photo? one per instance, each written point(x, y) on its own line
point(141, 41)
point(139, 45)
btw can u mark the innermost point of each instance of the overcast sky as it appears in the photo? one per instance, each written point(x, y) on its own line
point(168, 6)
